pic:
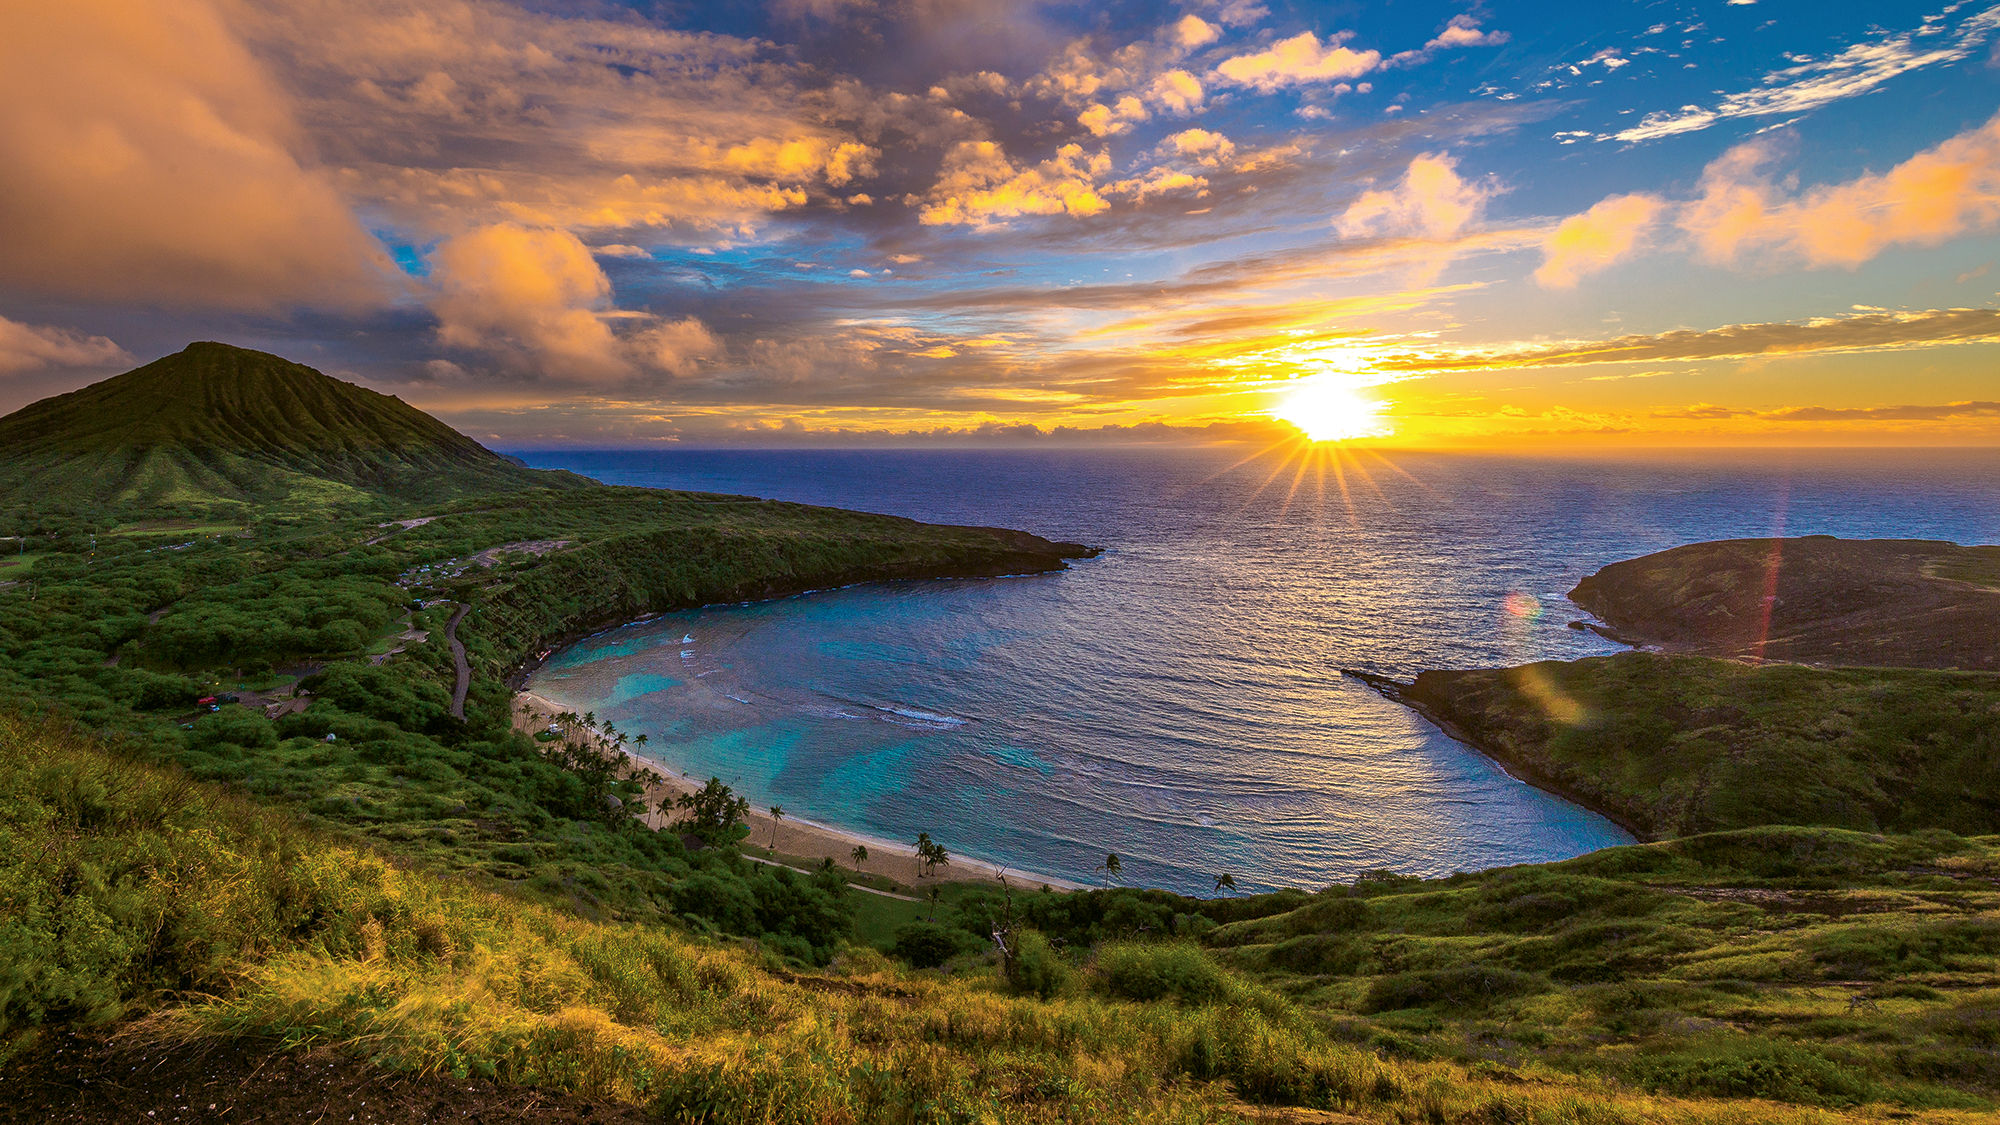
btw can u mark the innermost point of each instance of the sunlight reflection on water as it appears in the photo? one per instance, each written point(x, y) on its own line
point(1178, 700)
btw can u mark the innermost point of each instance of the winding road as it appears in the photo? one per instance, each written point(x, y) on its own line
point(458, 689)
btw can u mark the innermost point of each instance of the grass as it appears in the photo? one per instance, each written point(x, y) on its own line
point(1673, 745)
point(134, 891)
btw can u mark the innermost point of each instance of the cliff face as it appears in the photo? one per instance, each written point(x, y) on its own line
point(1906, 603)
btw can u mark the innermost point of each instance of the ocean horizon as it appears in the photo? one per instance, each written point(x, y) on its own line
point(1180, 700)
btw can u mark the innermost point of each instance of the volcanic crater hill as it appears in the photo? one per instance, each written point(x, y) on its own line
point(1904, 603)
point(214, 422)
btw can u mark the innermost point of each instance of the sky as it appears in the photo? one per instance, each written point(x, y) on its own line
point(1493, 225)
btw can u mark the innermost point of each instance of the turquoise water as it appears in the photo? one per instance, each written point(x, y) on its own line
point(1179, 700)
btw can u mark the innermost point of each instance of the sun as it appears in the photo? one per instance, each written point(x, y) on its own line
point(1327, 411)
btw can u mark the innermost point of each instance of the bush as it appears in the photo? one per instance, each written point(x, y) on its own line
point(1462, 987)
point(1155, 972)
point(1036, 969)
point(926, 945)
point(1755, 1068)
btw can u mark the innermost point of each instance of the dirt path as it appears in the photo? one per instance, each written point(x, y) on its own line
point(458, 689)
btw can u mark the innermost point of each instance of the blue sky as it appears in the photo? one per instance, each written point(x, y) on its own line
point(939, 220)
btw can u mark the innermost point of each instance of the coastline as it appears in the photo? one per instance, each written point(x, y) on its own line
point(1397, 691)
point(796, 836)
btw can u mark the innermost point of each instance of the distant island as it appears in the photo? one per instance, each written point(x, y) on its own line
point(279, 841)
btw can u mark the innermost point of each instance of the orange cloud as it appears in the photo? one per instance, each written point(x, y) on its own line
point(539, 296)
point(979, 186)
point(1936, 195)
point(1595, 239)
point(1431, 202)
point(148, 157)
point(1299, 60)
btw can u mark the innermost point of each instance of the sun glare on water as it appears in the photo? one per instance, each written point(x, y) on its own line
point(1327, 411)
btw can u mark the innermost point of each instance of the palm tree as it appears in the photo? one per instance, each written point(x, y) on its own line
point(640, 742)
point(1226, 882)
point(777, 814)
point(590, 719)
point(859, 855)
point(935, 891)
point(1112, 867)
point(924, 847)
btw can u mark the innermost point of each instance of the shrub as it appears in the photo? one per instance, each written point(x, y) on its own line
point(1155, 972)
point(1464, 987)
point(926, 945)
point(1036, 969)
point(1755, 1068)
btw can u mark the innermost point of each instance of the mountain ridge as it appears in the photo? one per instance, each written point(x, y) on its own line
point(219, 423)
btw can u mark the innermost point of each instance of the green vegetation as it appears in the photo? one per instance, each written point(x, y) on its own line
point(132, 889)
point(1673, 745)
point(445, 894)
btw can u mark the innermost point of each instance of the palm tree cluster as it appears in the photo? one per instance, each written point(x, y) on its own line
point(595, 753)
point(931, 855)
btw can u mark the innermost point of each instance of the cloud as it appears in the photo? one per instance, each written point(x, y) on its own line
point(1105, 120)
point(32, 347)
point(1864, 332)
point(148, 157)
point(1431, 202)
point(536, 295)
point(452, 114)
point(1299, 60)
point(1463, 31)
point(1813, 83)
point(979, 186)
point(1589, 242)
point(1200, 145)
point(1178, 91)
point(1192, 31)
point(1937, 195)
point(1935, 412)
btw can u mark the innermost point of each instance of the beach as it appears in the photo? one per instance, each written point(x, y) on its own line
point(795, 836)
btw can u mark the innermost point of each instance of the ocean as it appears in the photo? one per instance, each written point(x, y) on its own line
point(1179, 700)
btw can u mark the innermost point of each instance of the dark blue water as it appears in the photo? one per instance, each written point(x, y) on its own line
point(1179, 700)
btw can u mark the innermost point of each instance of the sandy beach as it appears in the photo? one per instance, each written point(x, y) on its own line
point(795, 836)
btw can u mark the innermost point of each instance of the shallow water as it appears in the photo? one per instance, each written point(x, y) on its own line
point(1179, 700)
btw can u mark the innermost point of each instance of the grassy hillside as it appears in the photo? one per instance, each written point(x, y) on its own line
point(1906, 603)
point(1728, 996)
point(1675, 745)
point(216, 423)
point(337, 623)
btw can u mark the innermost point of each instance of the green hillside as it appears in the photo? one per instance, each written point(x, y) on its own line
point(216, 423)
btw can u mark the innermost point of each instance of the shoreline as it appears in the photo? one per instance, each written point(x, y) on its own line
point(1396, 691)
point(796, 836)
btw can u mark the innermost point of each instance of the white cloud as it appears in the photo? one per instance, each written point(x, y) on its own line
point(1299, 60)
point(1812, 83)
point(32, 347)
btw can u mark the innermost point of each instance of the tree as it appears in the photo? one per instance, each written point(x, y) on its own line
point(859, 855)
point(777, 814)
point(924, 846)
point(640, 741)
point(934, 893)
point(1226, 882)
point(1112, 868)
point(714, 812)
